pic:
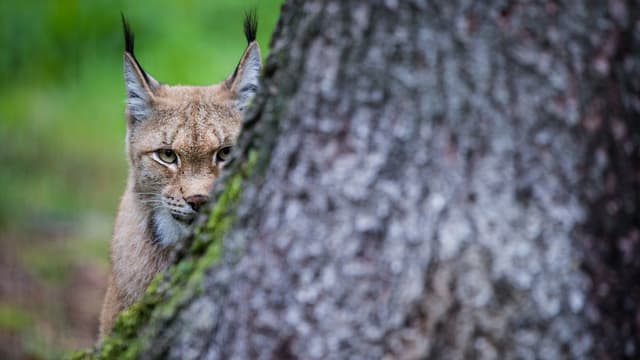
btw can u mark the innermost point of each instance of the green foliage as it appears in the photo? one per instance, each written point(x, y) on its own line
point(13, 318)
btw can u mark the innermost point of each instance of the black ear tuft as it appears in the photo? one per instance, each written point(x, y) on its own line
point(250, 25)
point(128, 35)
point(129, 39)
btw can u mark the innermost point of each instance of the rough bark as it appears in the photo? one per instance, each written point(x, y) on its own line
point(427, 180)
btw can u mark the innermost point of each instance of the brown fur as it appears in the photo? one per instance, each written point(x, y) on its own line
point(195, 123)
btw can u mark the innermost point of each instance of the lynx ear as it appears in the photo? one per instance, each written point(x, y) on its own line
point(243, 83)
point(140, 85)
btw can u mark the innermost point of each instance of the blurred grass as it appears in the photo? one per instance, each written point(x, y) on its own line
point(62, 127)
point(14, 318)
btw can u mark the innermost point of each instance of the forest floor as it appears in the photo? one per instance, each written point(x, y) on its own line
point(51, 289)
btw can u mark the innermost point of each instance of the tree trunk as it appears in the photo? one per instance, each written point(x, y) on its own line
point(422, 179)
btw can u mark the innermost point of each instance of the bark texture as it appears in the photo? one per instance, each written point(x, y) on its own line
point(431, 179)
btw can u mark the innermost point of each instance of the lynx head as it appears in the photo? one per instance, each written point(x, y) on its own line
point(179, 137)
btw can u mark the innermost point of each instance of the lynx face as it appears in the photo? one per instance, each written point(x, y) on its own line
point(178, 153)
point(180, 137)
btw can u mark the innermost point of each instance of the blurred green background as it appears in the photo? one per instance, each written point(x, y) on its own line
point(62, 133)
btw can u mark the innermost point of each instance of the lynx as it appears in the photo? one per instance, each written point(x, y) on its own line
point(178, 140)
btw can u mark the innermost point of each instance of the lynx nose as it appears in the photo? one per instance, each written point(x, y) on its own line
point(196, 201)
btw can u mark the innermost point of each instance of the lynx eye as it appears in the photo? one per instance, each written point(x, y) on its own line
point(167, 156)
point(223, 154)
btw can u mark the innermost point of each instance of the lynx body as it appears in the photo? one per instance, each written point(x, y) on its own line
point(178, 139)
